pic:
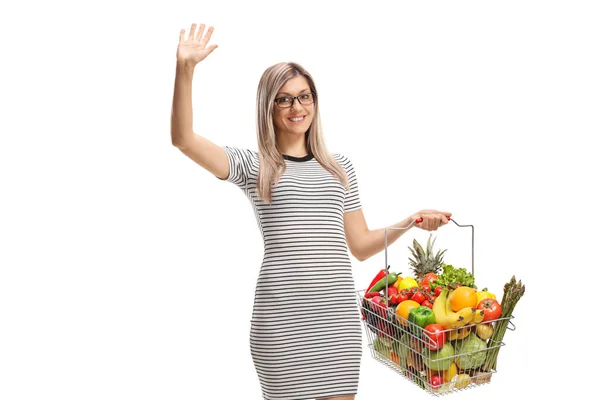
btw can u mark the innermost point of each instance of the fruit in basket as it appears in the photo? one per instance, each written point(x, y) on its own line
point(462, 297)
point(435, 381)
point(406, 283)
point(403, 309)
point(478, 317)
point(462, 381)
point(438, 360)
point(434, 336)
point(459, 334)
point(444, 315)
point(484, 331)
point(429, 278)
point(425, 261)
point(471, 352)
point(484, 294)
point(491, 309)
point(451, 372)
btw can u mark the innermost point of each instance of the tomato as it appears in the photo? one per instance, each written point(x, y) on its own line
point(403, 295)
point(427, 303)
point(419, 297)
point(434, 336)
point(426, 289)
point(491, 309)
point(438, 290)
point(436, 381)
point(430, 277)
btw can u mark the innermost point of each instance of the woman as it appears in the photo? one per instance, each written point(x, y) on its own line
point(305, 335)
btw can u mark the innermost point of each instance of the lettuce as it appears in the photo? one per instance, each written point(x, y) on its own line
point(454, 275)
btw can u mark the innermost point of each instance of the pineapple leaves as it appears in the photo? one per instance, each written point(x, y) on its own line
point(424, 261)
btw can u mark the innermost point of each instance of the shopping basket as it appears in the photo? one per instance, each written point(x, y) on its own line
point(402, 345)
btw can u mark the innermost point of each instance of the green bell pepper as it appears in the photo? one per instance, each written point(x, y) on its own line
point(421, 316)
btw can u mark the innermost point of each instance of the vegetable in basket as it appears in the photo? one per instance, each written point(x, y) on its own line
point(513, 292)
point(380, 285)
point(421, 316)
point(454, 275)
point(438, 360)
point(471, 352)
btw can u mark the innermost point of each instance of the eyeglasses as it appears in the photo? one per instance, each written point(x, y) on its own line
point(288, 101)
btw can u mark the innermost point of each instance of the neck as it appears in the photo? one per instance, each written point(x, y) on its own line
point(292, 145)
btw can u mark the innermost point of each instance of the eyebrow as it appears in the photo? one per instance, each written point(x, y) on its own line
point(289, 94)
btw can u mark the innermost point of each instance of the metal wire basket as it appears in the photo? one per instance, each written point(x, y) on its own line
point(404, 347)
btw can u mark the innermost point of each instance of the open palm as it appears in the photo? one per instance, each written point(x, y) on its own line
point(193, 49)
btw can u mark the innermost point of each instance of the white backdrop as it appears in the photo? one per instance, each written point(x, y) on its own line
point(128, 271)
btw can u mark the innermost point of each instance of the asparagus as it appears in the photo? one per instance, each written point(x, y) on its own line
point(513, 292)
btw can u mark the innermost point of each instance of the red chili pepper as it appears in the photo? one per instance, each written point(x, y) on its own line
point(380, 275)
point(370, 295)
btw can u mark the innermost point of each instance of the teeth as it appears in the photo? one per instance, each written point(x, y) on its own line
point(296, 119)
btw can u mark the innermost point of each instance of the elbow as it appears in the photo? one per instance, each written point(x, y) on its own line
point(360, 257)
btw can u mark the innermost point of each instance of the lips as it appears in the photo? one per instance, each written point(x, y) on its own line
point(297, 119)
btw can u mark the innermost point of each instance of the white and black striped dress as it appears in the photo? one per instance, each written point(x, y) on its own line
point(305, 336)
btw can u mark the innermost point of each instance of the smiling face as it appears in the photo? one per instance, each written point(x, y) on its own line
point(294, 120)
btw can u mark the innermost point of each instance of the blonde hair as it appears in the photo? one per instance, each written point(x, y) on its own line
point(271, 162)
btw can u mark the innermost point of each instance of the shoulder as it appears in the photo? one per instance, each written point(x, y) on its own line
point(343, 160)
point(241, 153)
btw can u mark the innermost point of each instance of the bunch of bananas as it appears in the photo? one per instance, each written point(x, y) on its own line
point(449, 319)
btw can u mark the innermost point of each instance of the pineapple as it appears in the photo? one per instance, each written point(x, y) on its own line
point(425, 262)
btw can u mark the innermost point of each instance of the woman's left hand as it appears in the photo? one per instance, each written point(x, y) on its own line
point(432, 219)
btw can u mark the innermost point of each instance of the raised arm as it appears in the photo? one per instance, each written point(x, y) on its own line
point(201, 150)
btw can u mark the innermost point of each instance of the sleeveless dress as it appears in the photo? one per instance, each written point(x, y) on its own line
point(305, 335)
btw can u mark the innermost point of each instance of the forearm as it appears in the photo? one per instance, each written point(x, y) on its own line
point(374, 241)
point(181, 114)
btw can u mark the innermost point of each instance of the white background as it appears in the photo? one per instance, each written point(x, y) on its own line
point(128, 272)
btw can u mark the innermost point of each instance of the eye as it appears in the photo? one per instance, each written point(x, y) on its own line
point(306, 96)
point(284, 99)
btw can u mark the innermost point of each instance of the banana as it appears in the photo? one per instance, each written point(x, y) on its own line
point(478, 317)
point(467, 313)
point(439, 305)
point(459, 334)
point(440, 308)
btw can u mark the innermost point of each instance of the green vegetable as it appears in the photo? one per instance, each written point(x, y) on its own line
point(382, 346)
point(421, 316)
point(471, 352)
point(379, 286)
point(454, 275)
point(438, 360)
point(402, 347)
point(513, 292)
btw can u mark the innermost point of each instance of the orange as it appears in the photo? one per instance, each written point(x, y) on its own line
point(403, 309)
point(462, 297)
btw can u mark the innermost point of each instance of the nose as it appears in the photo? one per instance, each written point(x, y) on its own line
point(296, 104)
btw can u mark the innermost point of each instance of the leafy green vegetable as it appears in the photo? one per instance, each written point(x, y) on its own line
point(454, 275)
point(471, 352)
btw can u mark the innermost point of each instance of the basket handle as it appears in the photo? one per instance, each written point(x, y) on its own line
point(419, 220)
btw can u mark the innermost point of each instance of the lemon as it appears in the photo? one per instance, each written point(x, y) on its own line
point(407, 283)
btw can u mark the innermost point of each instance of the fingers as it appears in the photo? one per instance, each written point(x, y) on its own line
point(200, 32)
point(192, 31)
point(206, 38)
point(432, 219)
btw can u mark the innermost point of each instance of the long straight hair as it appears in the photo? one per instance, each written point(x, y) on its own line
point(271, 161)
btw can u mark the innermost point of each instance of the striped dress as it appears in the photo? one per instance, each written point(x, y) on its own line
point(305, 335)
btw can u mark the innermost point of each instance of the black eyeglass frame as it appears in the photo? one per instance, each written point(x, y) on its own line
point(296, 97)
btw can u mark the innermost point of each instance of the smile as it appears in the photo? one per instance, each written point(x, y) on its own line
point(297, 119)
